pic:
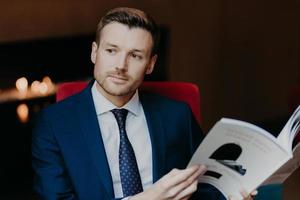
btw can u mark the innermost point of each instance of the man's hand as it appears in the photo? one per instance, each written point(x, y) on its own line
point(176, 185)
point(245, 195)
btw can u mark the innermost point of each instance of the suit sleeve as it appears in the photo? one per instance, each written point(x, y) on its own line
point(205, 191)
point(51, 180)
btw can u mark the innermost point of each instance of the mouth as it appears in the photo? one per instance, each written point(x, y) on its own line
point(117, 79)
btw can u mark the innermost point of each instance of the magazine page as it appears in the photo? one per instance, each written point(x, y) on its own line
point(238, 155)
point(287, 169)
point(286, 136)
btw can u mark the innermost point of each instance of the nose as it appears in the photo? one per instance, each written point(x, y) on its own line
point(122, 62)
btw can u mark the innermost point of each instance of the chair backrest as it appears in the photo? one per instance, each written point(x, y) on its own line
point(183, 91)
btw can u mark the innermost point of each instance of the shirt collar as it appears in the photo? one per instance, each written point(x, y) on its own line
point(103, 105)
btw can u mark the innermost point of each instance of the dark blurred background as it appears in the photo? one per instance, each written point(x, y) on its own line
point(243, 55)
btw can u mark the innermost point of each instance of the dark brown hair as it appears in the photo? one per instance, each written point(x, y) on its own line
point(133, 18)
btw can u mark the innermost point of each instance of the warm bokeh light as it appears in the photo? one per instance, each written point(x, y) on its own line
point(22, 84)
point(43, 88)
point(49, 83)
point(25, 90)
point(47, 80)
point(35, 85)
point(23, 112)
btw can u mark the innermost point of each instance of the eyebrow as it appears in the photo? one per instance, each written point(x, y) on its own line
point(133, 50)
point(111, 45)
point(139, 50)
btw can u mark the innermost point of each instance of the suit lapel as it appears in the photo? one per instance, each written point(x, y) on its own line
point(155, 126)
point(91, 131)
point(90, 128)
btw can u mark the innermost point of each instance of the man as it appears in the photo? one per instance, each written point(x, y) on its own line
point(110, 141)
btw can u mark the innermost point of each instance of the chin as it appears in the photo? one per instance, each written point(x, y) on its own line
point(118, 90)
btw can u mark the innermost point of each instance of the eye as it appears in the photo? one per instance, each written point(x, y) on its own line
point(136, 56)
point(110, 51)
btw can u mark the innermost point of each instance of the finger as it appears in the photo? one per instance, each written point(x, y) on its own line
point(195, 176)
point(185, 183)
point(189, 177)
point(254, 193)
point(248, 196)
point(244, 193)
point(186, 198)
point(183, 175)
point(188, 191)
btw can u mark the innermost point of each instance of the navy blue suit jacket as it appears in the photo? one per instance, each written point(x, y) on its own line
point(69, 158)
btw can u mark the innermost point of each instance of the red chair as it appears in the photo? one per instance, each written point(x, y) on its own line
point(183, 91)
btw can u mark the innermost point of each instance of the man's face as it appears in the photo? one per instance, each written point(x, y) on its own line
point(122, 59)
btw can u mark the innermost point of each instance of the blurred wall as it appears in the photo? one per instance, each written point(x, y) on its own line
point(244, 55)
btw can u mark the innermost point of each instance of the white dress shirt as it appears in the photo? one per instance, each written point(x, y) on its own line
point(137, 132)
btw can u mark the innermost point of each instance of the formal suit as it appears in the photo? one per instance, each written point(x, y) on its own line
point(69, 158)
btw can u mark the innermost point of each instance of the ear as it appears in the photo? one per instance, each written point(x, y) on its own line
point(94, 52)
point(151, 64)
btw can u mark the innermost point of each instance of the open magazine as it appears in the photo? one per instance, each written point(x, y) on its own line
point(242, 155)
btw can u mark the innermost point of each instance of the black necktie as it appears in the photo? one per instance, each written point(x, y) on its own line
point(129, 172)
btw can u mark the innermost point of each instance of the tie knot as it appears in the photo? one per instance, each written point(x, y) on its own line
point(120, 115)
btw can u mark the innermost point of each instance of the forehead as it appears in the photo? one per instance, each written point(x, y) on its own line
point(124, 37)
